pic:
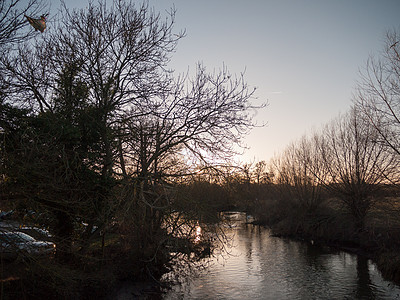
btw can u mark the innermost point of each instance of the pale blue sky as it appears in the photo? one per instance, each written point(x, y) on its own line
point(303, 56)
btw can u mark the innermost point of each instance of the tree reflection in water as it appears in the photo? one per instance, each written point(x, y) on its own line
point(264, 267)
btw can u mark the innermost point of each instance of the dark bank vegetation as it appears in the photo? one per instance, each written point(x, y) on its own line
point(120, 160)
point(101, 145)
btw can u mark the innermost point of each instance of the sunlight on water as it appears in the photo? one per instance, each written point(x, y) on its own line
point(263, 267)
point(198, 234)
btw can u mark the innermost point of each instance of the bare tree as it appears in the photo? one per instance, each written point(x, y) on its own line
point(354, 163)
point(12, 20)
point(197, 120)
point(109, 124)
point(201, 118)
point(12, 33)
point(74, 87)
point(378, 93)
point(120, 51)
point(298, 173)
point(260, 172)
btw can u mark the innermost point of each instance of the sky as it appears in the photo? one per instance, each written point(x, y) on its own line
point(303, 56)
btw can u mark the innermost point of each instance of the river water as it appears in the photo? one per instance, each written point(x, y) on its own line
point(260, 266)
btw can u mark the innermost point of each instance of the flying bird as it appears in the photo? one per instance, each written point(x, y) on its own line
point(38, 24)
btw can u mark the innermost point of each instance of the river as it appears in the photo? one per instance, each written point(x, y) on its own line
point(261, 266)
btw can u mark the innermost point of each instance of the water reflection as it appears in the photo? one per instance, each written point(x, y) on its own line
point(198, 234)
point(264, 267)
point(365, 288)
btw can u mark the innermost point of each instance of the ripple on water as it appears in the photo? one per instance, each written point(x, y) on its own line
point(265, 267)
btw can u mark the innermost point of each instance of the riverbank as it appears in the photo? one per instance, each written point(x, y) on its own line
point(379, 241)
point(261, 266)
point(128, 290)
point(48, 279)
point(387, 260)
